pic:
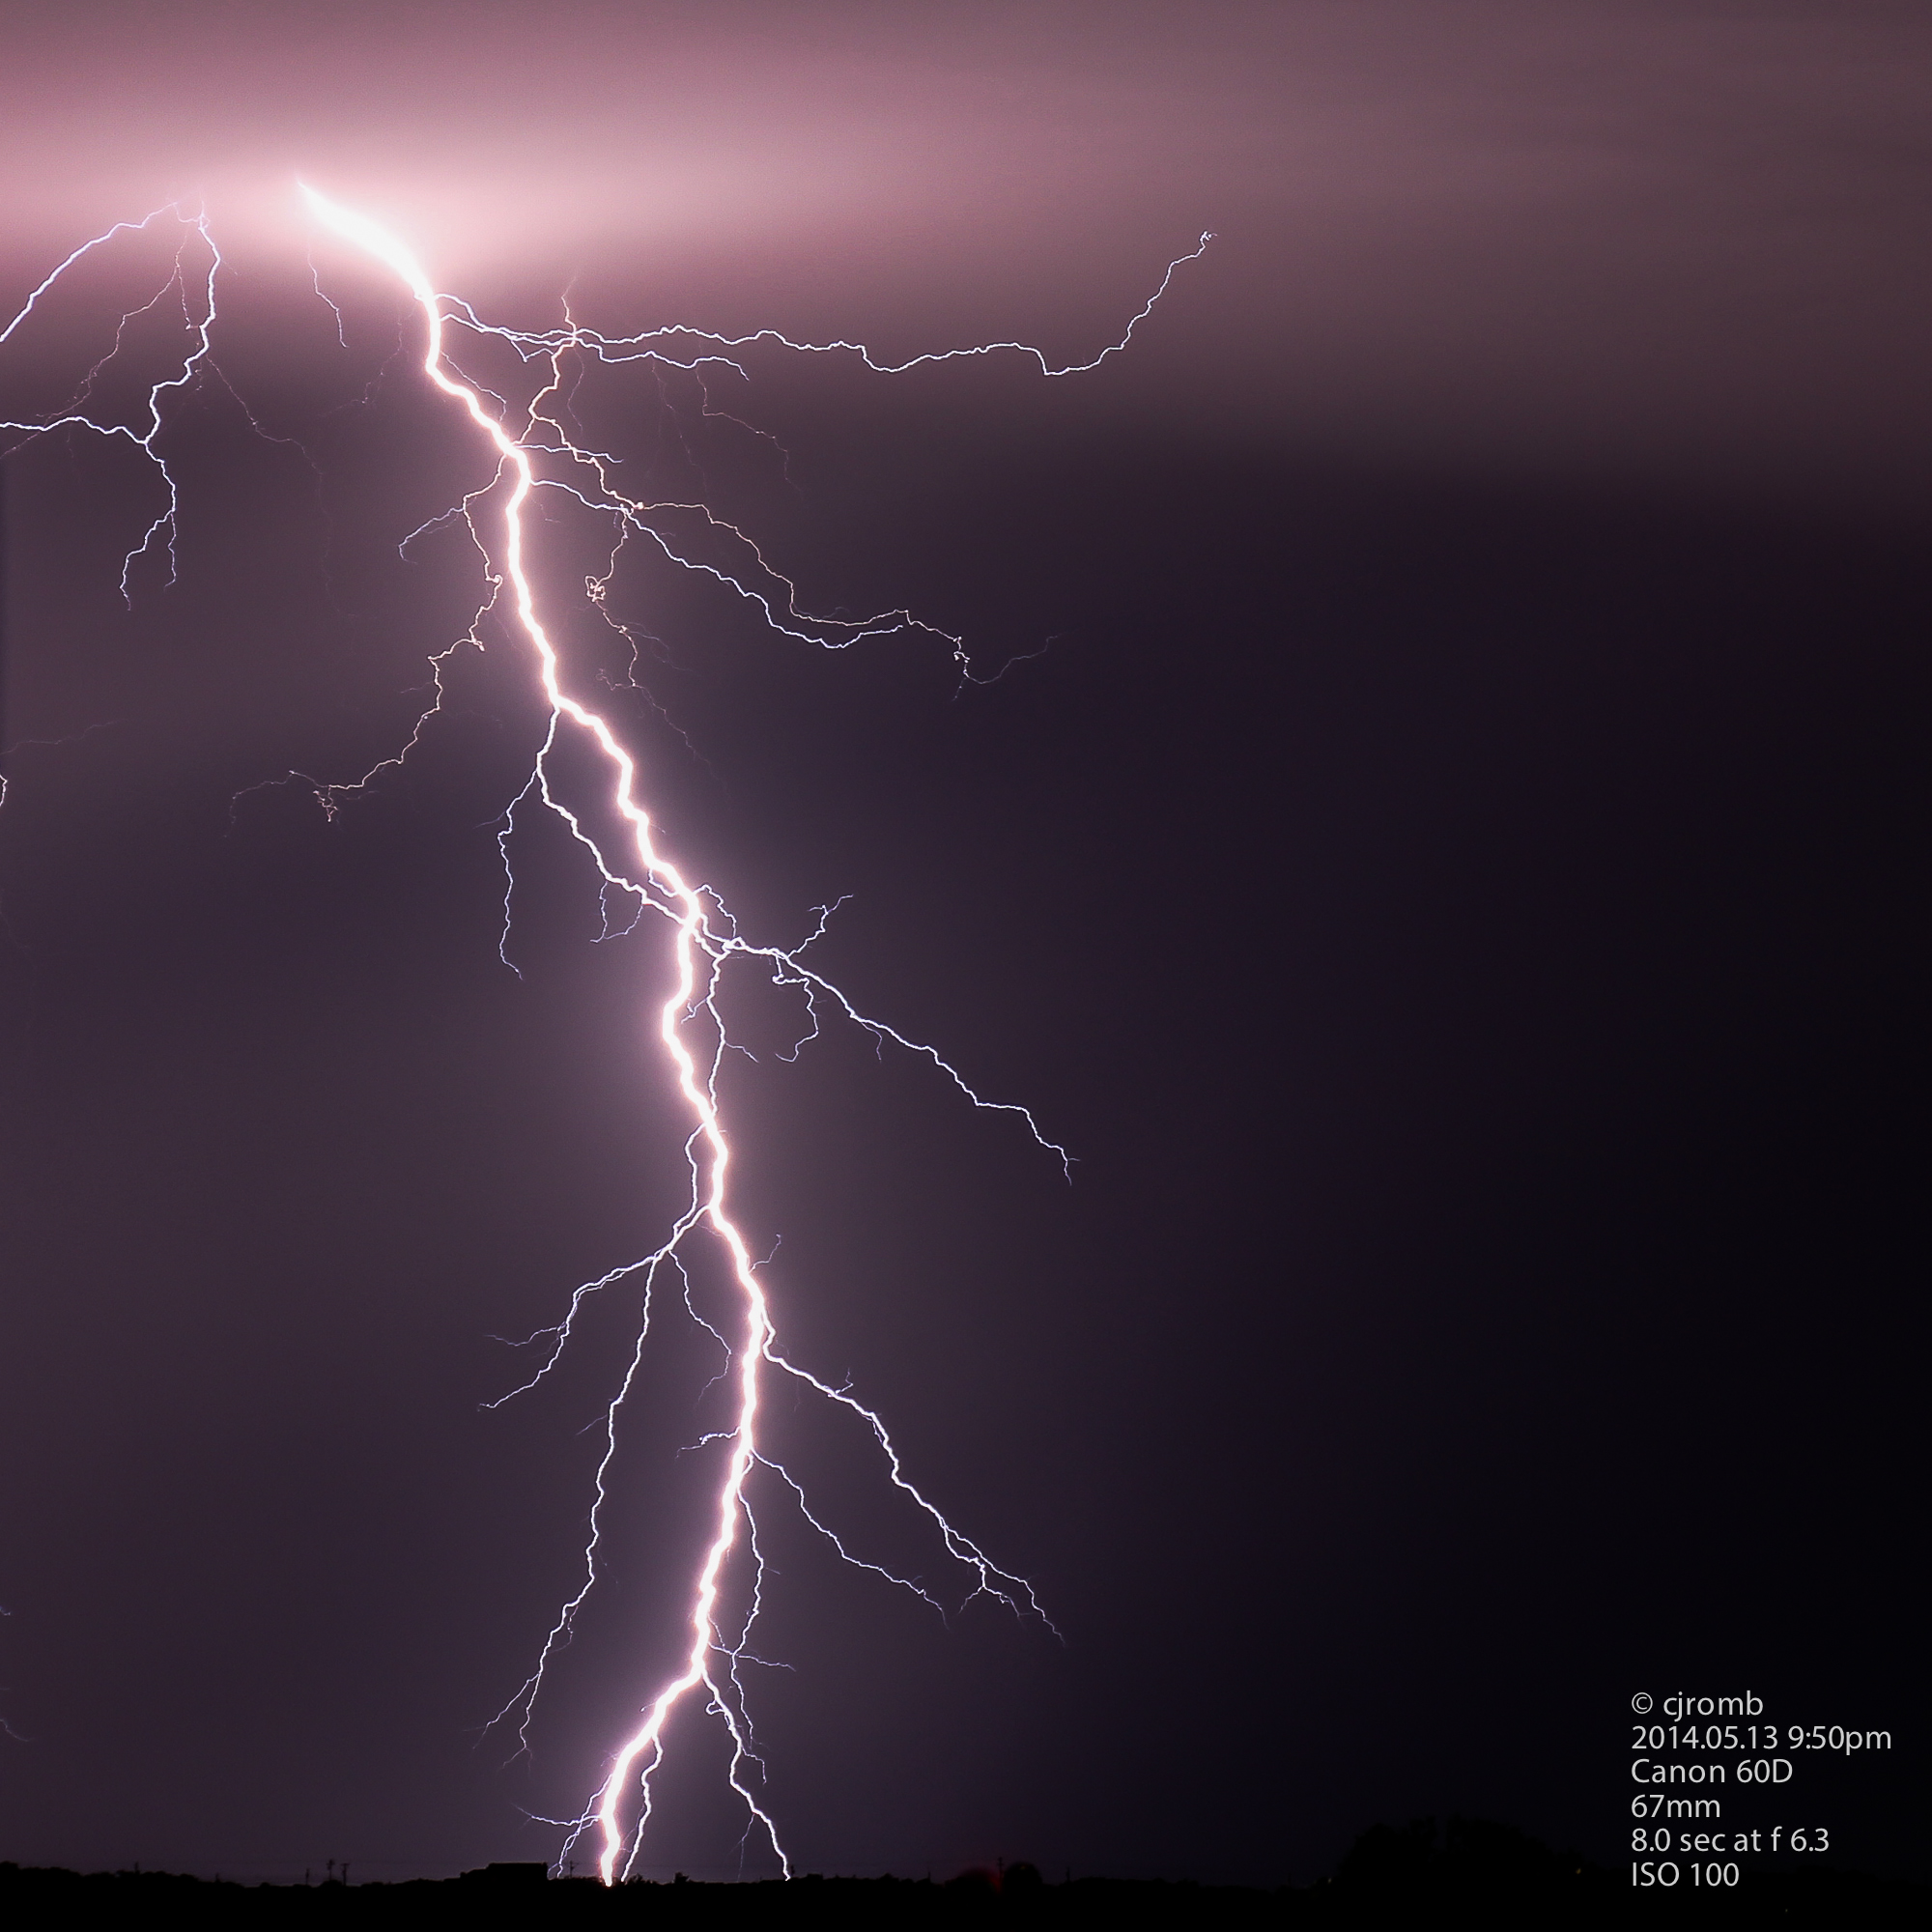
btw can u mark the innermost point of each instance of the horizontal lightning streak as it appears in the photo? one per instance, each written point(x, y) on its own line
point(532, 343)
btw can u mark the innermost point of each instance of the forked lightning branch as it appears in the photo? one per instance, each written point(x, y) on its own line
point(523, 447)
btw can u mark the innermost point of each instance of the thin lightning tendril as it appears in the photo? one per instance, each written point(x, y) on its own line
point(705, 939)
point(75, 416)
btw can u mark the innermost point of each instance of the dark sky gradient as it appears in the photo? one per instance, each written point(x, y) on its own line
point(1455, 881)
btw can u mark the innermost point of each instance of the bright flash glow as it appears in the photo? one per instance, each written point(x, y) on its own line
point(704, 939)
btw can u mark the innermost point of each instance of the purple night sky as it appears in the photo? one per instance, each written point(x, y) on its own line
point(1453, 878)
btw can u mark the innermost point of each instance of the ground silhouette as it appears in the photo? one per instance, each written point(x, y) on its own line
point(1469, 1872)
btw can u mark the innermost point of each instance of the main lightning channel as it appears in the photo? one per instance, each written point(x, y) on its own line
point(690, 922)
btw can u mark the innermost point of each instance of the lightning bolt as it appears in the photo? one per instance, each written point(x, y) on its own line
point(704, 939)
point(197, 313)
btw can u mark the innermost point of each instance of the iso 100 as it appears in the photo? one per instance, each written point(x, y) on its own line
point(1665, 1872)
